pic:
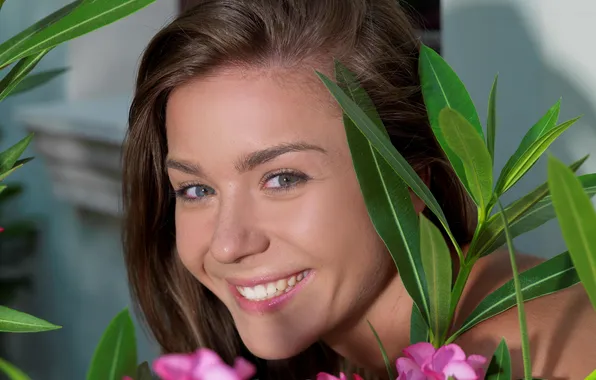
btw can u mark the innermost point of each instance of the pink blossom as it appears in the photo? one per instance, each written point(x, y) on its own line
point(203, 364)
point(326, 376)
point(424, 362)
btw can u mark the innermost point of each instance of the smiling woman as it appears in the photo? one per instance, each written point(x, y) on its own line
point(246, 230)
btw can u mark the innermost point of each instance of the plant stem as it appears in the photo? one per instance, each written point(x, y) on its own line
point(520, 303)
point(458, 289)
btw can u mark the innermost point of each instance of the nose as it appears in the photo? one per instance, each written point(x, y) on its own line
point(236, 234)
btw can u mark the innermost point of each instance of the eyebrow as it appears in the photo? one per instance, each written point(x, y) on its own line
point(249, 161)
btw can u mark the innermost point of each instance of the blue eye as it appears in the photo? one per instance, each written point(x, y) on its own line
point(284, 180)
point(194, 192)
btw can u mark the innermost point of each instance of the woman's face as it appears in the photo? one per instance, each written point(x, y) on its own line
point(269, 213)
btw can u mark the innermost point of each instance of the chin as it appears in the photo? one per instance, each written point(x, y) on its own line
point(268, 344)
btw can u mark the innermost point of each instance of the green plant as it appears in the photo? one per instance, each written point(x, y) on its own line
point(457, 127)
point(19, 55)
point(417, 246)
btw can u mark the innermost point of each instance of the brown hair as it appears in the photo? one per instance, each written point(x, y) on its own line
point(373, 38)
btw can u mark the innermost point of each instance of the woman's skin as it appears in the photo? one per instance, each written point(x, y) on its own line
point(266, 189)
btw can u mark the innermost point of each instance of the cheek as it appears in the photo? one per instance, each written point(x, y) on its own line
point(193, 233)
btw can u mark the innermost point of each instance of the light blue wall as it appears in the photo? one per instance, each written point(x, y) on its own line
point(80, 281)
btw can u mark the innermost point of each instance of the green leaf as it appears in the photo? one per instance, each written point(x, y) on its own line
point(441, 87)
point(72, 21)
point(500, 365)
point(2, 188)
point(533, 145)
point(382, 145)
point(525, 214)
point(519, 300)
point(545, 278)
point(116, 354)
point(545, 124)
point(388, 364)
point(1, 3)
point(10, 46)
point(12, 191)
point(491, 120)
point(19, 322)
point(143, 372)
point(8, 158)
point(36, 80)
point(418, 328)
point(591, 376)
point(577, 219)
point(469, 147)
point(19, 72)
point(10, 370)
point(436, 260)
point(389, 204)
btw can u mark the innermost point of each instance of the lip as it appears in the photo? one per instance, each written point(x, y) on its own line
point(271, 304)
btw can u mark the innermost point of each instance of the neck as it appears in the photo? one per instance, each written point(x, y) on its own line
point(389, 315)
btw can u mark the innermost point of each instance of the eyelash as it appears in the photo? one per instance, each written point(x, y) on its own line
point(180, 193)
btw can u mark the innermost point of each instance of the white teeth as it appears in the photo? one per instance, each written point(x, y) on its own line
point(281, 285)
point(271, 289)
point(260, 291)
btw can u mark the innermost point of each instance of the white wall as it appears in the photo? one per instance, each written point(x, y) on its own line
point(542, 50)
point(104, 62)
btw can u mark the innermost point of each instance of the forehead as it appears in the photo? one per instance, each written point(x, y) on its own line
point(251, 109)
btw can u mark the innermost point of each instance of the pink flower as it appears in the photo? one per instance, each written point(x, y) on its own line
point(424, 362)
point(326, 376)
point(203, 364)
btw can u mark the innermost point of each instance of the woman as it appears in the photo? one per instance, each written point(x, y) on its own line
point(246, 231)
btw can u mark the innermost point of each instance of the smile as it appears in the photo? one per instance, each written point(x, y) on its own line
point(272, 289)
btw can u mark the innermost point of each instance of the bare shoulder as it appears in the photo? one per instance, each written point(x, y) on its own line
point(561, 326)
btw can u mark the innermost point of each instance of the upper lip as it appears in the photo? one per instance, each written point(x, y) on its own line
point(262, 279)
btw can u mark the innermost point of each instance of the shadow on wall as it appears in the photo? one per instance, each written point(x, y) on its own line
point(481, 40)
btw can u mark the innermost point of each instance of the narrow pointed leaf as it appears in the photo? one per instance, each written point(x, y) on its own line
point(534, 152)
point(547, 122)
point(418, 328)
point(390, 207)
point(530, 151)
point(9, 369)
point(491, 120)
point(388, 364)
point(80, 17)
point(2, 188)
point(387, 151)
point(19, 72)
point(10, 46)
point(577, 219)
point(499, 367)
point(546, 278)
point(9, 158)
point(19, 322)
point(441, 87)
point(525, 214)
point(36, 80)
point(116, 354)
point(1, 3)
point(469, 147)
point(436, 260)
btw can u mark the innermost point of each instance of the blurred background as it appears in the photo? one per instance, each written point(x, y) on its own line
point(60, 256)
